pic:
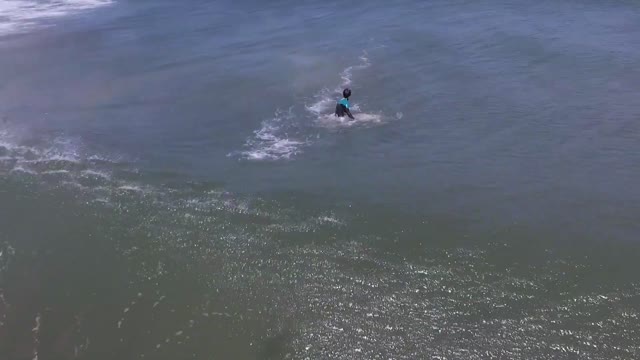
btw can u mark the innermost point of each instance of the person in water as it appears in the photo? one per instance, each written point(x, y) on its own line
point(342, 107)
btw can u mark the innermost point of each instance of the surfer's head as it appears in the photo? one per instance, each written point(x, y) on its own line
point(346, 93)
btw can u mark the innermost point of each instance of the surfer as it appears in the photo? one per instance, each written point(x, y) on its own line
point(342, 107)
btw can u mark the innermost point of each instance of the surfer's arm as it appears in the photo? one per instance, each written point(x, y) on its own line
point(346, 109)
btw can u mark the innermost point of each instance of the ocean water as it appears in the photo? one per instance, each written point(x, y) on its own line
point(173, 184)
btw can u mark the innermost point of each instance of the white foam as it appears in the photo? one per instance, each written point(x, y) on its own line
point(347, 74)
point(329, 219)
point(7, 144)
point(23, 170)
point(53, 158)
point(23, 15)
point(56, 172)
point(60, 156)
point(110, 159)
point(271, 142)
point(326, 99)
point(95, 173)
point(36, 328)
point(130, 188)
point(274, 150)
point(361, 119)
point(74, 184)
point(61, 150)
point(36, 337)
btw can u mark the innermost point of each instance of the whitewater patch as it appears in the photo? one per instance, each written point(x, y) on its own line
point(96, 174)
point(24, 15)
point(63, 161)
point(347, 74)
point(325, 100)
point(323, 105)
point(331, 121)
point(274, 140)
point(271, 141)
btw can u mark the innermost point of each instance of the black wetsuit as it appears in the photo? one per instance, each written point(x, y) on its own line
point(342, 108)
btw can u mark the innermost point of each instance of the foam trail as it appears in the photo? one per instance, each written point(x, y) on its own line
point(97, 174)
point(361, 119)
point(347, 74)
point(326, 98)
point(132, 188)
point(63, 161)
point(36, 337)
point(55, 172)
point(325, 102)
point(20, 169)
point(23, 15)
point(270, 142)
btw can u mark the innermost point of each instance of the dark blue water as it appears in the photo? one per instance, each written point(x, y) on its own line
point(173, 183)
